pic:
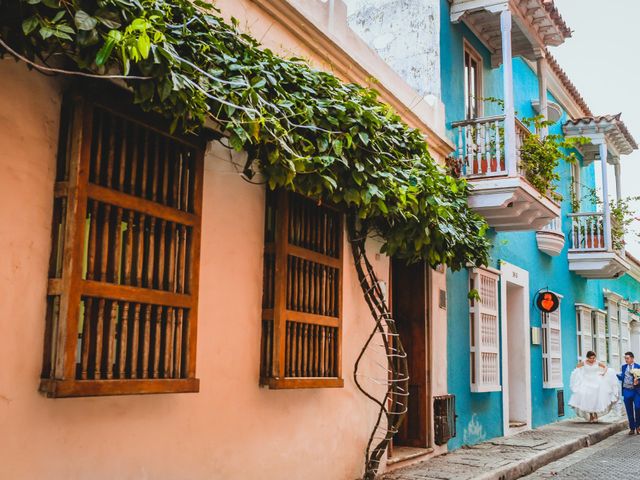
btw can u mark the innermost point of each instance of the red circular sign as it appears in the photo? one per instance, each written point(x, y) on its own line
point(547, 302)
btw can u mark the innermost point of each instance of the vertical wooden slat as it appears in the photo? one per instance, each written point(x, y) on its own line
point(124, 330)
point(135, 341)
point(194, 262)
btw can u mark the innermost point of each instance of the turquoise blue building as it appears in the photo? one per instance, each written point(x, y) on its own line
point(508, 363)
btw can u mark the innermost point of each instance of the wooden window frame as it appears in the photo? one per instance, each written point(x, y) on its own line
point(549, 330)
point(480, 350)
point(66, 286)
point(275, 317)
point(477, 58)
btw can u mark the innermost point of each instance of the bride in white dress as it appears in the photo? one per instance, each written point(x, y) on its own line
point(594, 387)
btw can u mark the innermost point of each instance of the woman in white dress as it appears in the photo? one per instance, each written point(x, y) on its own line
point(594, 388)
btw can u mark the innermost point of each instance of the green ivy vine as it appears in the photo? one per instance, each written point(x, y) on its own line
point(305, 129)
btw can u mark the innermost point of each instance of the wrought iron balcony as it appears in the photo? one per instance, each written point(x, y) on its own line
point(592, 254)
point(551, 238)
point(500, 191)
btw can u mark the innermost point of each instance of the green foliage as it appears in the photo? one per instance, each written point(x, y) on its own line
point(306, 130)
point(540, 156)
point(622, 215)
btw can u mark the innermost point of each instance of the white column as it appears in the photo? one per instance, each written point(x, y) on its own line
point(605, 195)
point(616, 167)
point(507, 80)
point(542, 92)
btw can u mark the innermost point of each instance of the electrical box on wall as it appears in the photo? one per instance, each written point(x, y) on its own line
point(536, 335)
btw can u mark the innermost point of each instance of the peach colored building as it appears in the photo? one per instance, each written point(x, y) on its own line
point(232, 429)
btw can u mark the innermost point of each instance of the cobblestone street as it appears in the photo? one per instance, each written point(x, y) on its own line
point(513, 457)
point(614, 458)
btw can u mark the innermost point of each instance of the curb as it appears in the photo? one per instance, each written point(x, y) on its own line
point(530, 465)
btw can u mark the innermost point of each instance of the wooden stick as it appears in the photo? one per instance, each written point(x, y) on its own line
point(135, 341)
point(86, 337)
point(113, 318)
point(157, 332)
point(146, 341)
point(122, 341)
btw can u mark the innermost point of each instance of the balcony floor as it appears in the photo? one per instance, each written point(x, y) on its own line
point(598, 264)
point(511, 203)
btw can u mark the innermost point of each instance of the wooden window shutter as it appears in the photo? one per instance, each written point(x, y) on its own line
point(123, 286)
point(301, 343)
point(584, 329)
point(625, 333)
point(552, 349)
point(613, 324)
point(485, 331)
point(600, 334)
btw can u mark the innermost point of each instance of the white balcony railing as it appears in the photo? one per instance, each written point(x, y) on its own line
point(480, 146)
point(588, 233)
point(554, 226)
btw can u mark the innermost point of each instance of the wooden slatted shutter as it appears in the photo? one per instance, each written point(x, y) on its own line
point(600, 334)
point(484, 331)
point(552, 349)
point(122, 305)
point(302, 294)
point(584, 328)
point(625, 332)
point(613, 324)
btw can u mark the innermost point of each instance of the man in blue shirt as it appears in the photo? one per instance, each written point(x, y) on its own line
point(631, 392)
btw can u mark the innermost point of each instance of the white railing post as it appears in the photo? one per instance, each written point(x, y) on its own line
point(605, 195)
point(616, 167)
point(542, 92)
point(509, 109)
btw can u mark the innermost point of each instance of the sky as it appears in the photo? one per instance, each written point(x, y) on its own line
point(602, 59)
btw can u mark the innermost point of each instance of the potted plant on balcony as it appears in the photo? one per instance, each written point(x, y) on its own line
point(622, 216)
point(540, 156)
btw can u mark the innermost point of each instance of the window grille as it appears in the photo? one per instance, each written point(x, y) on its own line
point(302, 294)
point(444, 408)
point(552, 349)
point(484, 331)
point(561, 403)
point(122, 294)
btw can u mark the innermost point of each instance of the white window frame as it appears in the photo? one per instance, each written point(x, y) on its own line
point(584, 324)
point(484, 321)
point(552, 348)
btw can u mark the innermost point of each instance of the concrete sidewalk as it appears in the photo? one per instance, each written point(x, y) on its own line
point(508, 458)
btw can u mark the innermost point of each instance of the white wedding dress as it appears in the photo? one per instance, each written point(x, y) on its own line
point(592, 392)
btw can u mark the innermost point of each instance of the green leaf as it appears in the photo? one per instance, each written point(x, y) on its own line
point(46, 32)
point(58, 16)
point(144, 45)
point(337, 146)
point(29, 25)
point(84, 21)
point(364, 137)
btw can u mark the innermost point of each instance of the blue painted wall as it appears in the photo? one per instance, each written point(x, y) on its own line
point(480, 414)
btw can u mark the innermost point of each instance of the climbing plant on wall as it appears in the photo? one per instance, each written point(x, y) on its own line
point(307, 130)
point(304, 130)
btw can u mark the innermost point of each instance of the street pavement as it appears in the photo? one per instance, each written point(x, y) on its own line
point(616, 458)
point(509, 458)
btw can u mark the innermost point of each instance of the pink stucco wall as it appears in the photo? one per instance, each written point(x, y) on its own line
point(232, 429)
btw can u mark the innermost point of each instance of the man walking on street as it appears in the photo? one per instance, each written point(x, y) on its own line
point(631, 392)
